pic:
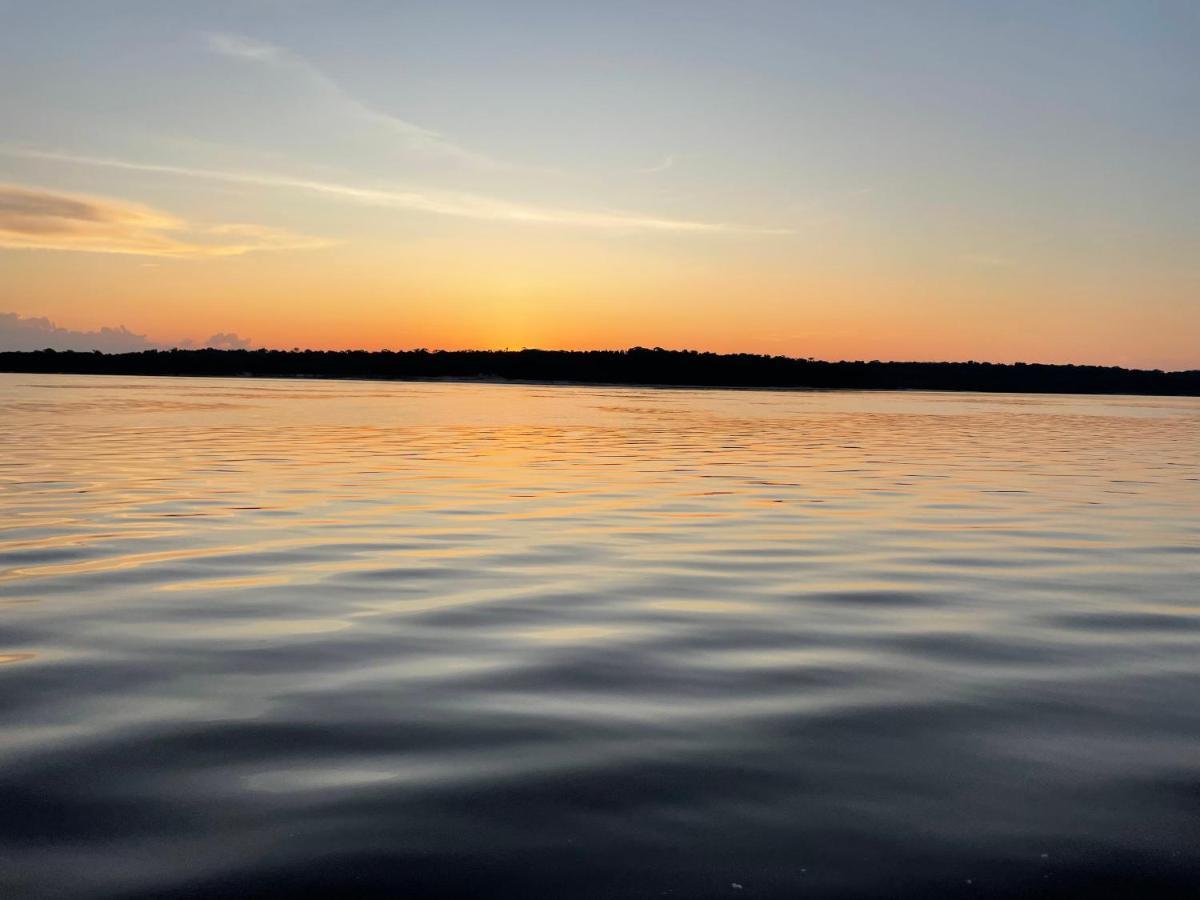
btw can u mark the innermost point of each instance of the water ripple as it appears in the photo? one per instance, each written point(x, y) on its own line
point(431, 640)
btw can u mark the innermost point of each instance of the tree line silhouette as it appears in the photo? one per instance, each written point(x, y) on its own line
point(638, 365)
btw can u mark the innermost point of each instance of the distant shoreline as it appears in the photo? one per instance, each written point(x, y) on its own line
point(637, 367)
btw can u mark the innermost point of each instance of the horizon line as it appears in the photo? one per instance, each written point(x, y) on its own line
point(686, 351)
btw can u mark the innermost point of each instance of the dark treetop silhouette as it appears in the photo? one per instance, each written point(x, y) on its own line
point(635, 366)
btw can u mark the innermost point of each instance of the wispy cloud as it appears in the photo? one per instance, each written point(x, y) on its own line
point(989, 260)
point(242, 47)
point(668, 162)
point(468, 206)
point(37, 219)
point(412, 137)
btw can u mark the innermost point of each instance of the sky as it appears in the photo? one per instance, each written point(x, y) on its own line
point(892, 180)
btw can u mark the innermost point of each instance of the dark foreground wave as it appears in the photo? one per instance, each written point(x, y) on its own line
point(261, 639)
point(638, 366)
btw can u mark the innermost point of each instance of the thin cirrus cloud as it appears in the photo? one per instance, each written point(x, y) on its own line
point(38, 219)
point(412, 137)
point(989, 260)
point(667, 162)
point(462, 205)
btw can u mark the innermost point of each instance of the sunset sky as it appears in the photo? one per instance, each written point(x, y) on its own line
point(999, 181)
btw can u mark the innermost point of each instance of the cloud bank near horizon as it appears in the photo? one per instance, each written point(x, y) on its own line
point(19, 332)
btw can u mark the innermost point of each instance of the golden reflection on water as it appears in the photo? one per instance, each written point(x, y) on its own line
point(482, 621)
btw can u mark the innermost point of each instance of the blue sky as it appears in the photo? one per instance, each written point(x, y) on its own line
point(971, 180)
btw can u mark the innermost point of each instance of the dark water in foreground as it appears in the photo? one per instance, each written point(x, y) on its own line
point(266, 638)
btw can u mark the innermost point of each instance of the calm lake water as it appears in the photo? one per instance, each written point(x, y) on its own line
point(292, 638)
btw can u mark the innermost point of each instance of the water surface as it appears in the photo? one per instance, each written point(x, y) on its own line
point(291, 638)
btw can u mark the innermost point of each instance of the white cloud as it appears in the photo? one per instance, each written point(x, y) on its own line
point(668, 162)
point(243, 48)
